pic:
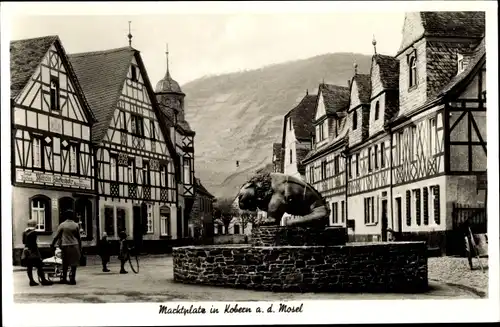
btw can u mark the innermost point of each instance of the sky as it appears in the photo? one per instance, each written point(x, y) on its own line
point(208, 44)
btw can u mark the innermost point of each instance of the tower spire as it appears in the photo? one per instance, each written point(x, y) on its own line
point(374, 42)
point(166, 53)
point(129, 34)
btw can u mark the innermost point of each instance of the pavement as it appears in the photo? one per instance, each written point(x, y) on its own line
point(154, 283)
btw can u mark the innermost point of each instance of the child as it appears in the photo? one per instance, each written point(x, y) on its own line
point(104, 251)
point(124, 251)
point(30, 256)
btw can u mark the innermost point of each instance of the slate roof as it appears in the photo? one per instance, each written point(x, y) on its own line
point(201, 189)
point(479, 54)
point(453, 23)
point(301, 153)
point(25, 57)
point(389, 71)
point(335, 97)
point(303, 115)
point(168, 85)
point(102, 74)
point(363, 82)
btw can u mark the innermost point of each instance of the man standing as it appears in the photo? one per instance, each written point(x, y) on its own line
point(68, 238)
point(104, 249)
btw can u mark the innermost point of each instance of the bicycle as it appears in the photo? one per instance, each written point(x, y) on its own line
point(133, 260)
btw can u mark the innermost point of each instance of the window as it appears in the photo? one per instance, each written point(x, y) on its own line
point(349, 167)
point(73, 154)
point(437, 213)
point(124, 120)
point(432, 136)
point(342, 210)
point(416, 194)
point(37, 152)
point(113, 167)
point(414, 143)
point(137, 125)
point(460, 63)
point(54, 93)
point(149, 213)
point(321, 132)
point(377, 109)
point(336, 164)
point(335, 213)
point(41, 212)
point(109, 221)
point(354, 120)
point(121, 223)
point(375, 156)
point(131, 170)
point(311, 174)
point(382, 155)
point(153, 129)
point(401, 147)
point(165, 221)
point(369, 159)
point(357, 164)
point(236, 229)
point(413, 71)
point(323, 170)
point(163, 176)
point(369, 210)
point(291, 161)
point(133, 71)
point(187, 171)
point(146, 175)
point(290, 123)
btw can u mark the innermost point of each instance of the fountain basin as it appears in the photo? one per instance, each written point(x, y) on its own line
point(354, 267)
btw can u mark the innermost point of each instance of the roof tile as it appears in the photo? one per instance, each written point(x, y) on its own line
point(303, 115)
point(335, 97)
point(389, 71)
point(453, 23)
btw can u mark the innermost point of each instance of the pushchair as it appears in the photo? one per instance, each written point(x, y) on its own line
point(53, 266)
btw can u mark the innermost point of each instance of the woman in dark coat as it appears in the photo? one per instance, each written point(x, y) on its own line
point(68, 237)
point(30, 256)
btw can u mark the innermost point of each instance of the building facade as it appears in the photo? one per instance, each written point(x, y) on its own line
point(201, 223)
point(413, 137)
point(136, 165)
point(52, 153)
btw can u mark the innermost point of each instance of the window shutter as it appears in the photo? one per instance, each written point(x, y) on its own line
point(417, 209)
point(48, 214)
point(373, 211)
point(426, 206)
point(408, 208)
point(144, 216)
point(366, 210)
point(437, 218)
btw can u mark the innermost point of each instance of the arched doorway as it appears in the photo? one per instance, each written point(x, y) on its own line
point(66, 203)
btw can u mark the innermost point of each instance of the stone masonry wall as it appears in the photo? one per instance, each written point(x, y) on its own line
point(281, 235)
point(375, 267)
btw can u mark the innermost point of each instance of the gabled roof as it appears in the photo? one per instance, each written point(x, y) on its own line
point(302, 117)
point(201, 189)
point(363, 82)
point(389, 71)
point(453, 23)
point(335, 97)
point(102, 74)
point(25, 57)
point(477, 59)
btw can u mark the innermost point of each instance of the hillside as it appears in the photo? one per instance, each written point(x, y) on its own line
point(238, 116)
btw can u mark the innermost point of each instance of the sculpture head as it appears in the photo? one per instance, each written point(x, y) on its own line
point(255, 193)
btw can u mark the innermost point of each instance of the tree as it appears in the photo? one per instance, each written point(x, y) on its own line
point(247, 217)
point(225, 212)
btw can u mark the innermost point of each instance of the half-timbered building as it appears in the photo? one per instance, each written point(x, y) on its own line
point(201, 222)
point(439, 135)
point(296, 139)
point(135, 159)
point(171, 101)
point(52, 155)
point(325, 164)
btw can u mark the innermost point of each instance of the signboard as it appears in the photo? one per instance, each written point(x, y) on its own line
point(482, 181)
point(37, 177)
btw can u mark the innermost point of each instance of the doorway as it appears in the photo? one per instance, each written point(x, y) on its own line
point(138, 227)
point(384, 220)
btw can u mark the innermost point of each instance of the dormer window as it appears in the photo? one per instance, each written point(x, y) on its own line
point(354, 120)
point(413, 71)
point(133, 72)
point(460, 63)
point(377, 109)
point(54, 93)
